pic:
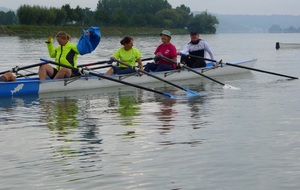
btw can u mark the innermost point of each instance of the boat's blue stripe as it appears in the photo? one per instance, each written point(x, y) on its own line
point(22, 87)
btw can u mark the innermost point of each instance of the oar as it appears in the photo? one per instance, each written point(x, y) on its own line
point(83, 65)
point(147, 59)
point(83, 71)
point(95, 63)
point(106, 61)
point(100, 67)
point(190, 92)
point(16, 69)
point(200, 58)
point(268, 72)
point(225, 86)
point(244, 67)
point(27, 75)
point(32, 74)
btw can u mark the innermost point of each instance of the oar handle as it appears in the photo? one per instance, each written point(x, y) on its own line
point(203, 58)
point(148, 59)
point(106, 61)
point(91, 64)
point(100, 67)
point(168, 59)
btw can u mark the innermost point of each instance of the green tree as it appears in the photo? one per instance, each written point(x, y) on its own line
point(125, 13)
point(78, 15)
point(60, 16)
point(129, 12)
point(169, 16)
point(203, 23)
point(69, 11)
point(88, 17)
point(184, 14)
point(26, 15)
point(8, 18)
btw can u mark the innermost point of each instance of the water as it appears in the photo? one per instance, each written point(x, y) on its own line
point(126, 138)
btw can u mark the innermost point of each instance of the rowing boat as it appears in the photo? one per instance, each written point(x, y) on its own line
point(34, 86)
point(281, 45)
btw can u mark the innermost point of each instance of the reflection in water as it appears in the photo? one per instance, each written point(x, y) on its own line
point(11, 107)
point(61, 117)
point(61, 114)
point(197, 109)
point(167, 113)
point(14, 102)
point(74, 147)
point(127, 105)
point(127, 108)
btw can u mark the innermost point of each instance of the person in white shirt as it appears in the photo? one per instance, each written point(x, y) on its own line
point(195, 48)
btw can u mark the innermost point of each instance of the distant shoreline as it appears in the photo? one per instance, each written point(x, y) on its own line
point(75, 31)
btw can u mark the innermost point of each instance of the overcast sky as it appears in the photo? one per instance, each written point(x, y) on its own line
point(250, 7)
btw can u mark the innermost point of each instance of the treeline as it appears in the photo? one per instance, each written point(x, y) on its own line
point(277, 29)
point(129, 13)
point(8, 18)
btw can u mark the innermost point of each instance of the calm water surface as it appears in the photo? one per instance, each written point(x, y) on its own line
point(126, 138)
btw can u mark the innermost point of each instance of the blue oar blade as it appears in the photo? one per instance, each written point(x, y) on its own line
point(170, 95)
point(193, 93)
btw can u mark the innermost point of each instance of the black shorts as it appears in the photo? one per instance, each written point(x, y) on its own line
point(74, 73)
point(55, 71)
point(192, 62)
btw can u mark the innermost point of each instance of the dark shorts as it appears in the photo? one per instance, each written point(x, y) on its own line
point(192, 62)
point(55, 71)
point(158, 67)
point(121, 71)
point(74, 73)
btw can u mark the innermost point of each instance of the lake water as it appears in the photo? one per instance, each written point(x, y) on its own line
point(127, 138)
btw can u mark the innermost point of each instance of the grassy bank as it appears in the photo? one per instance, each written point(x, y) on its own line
point(75, 31)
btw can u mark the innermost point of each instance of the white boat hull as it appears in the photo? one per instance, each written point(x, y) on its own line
point(35, 86)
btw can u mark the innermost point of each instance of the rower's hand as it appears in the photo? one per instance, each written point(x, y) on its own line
point(138, 68)
point(157, 57)
point(111, 61)
point(49, 40)
point(216, 64)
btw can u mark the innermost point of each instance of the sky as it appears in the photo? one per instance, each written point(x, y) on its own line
point(232, 7)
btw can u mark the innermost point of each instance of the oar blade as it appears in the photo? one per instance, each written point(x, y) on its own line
point(169, 95)
point(227, 86)
point(192, 93)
